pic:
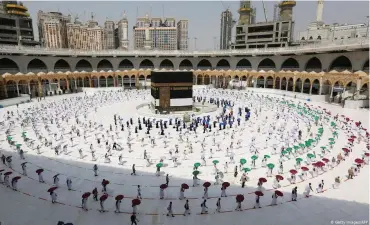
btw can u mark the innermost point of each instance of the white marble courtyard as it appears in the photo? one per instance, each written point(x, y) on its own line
point(54, 120)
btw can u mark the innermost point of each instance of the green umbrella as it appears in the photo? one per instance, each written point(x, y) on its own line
point(197, 165)
point(309, 155)
point(296, 147)
point(254, 157)
point(18, 145)
point(331, 139)
point(270, 166)
point(332, 124)
point(335, 133)
point(299, 159)
point(323, 147)
point(311, 140)
point(215, 161)
point(332, 142)
point(266, 156)
point(284, 152)
point(10, 138)
point(196, 172)
point(243, 161)
point(308, 144)
point(302, 145)
point(289, 149)
point(316, 118)
point(159, 165)
point(246, 170)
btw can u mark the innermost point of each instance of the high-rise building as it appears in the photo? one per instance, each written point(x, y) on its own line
point(286, 10)
point(158, 33)
point(245, 12)
point(53, 37)
point(16, 24)
point(109, 34)
point(53, 19)
point(85, 37)
point(123, 42)
point(182, 35)
point(226, 28)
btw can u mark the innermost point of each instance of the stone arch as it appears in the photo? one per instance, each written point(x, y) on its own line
point(84, 65)
point(244, 64)
point(11, 89)
point(62, 65)
point(111, 81)
point(290, 84)
point(315, 87)
point(23, 87)
point(350, 89)
point(290, 64)
point(260, 82)
point(200, 79)
point(269, 82)
point(146, 64)
point(166, 64)
point(204, 64)
point(133, 81)
point(125, 64)
point(364, 91)
point(206, 79)
point(126, 81)
point(313, 64)
point(325, 87)
point(277, 82)
point(8, 66)
point(283, 83)
point(298, 85)
point(266, 64)
point(223, 64)
point(36, 66)
point(306, 86)
point(104, 65)
point(185, 65)
point(102, 81)
point(34, 86)
point(341, 63)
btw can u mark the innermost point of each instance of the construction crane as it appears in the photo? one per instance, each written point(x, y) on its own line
point(264, 10)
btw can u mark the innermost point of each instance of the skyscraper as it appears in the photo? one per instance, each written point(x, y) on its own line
point(53, 19)
point(109, 34)
point(226, 28)
point(123, 33)
point(53, 36)
point(182, 35)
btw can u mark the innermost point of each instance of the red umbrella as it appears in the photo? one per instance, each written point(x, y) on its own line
point(305, 168)
point(240, 198)
point(8, 173)
point(279, 193)
point(86, 195)
point(353, 136)
point(320, 164)
point(259, 193)
point(136, 201)
point(16, 178)
point(345, 149)
point(314, 164)
point(119, 197)
point(185, 186)
point(279, 177)
point(39, 171)
point(359, 161)
point(351, 140)
point(347, 119)
point(163, 186)
point(1, 171)
point(262, 180)
point(325, 160)
point(105, 182)
point(225, 184)
point(103, 197)
point(52, 189)
point(367, 154)
point(206, 184)
point(293, 171)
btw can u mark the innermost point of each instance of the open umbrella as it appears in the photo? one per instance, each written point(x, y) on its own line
point(299, 159)
point(106, 182)
point(225, 184)
point(159, 165)
point(119, 197)
point(266, 156)
point(302, 145)
point(196, 165)
point(293, 171)
point(246, 169)
point(1, 171)
point(39, 171)
point(206, 184)
point(367, 154)
point(351, 140)
point(136, 201)
point(86, 195)
point(279, 193)
point(259, 193)
point(309, 155)
point(289, 149)
point(270, 166)
point(331, 139)
point(163, 186)
point(262, 180)
point(325, 160)
point(8, 173)
point(243, 161)
point(353, 136)
point(296, 147)
point(332, 142)
point(196, 172)
point(239, 198)
point(103, 197)
point(284, 152)
point(185, 186)
point(215, 162)
point(279, 177)
point(345, 149)
point(359, 161)
point(16, 178)
point(304, 168)
point(320, 164)
point(254, 157)
point(52, 189)
point(323, 147)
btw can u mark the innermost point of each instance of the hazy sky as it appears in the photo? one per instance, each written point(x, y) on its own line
point(204, 16)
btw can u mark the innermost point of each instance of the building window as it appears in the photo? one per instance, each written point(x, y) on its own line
point(311, 38)
point(303, 38)
point(319, 37)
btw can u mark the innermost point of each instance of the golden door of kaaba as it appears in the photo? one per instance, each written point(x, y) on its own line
point(164, 97)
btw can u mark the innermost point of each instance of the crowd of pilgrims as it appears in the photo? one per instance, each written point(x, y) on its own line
point(236, 113)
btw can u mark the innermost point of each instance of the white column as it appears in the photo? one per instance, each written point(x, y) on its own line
point(98, 82)
point(302, 87)
point(122, 81)
point(106, 82)
point(310, 89)
point(16, 84)
point(280, 81)
point(331, 91)
point(29, 88)
point(75, 84)
point(358, 87)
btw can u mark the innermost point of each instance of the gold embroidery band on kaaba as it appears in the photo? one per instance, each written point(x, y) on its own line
point(171, 84)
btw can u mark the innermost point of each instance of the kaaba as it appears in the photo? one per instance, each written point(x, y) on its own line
point(172, 90)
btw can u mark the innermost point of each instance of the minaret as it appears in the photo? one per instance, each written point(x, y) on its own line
point(286, 10)
point(147, 42)
point(244, 12)
point(320, 9)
